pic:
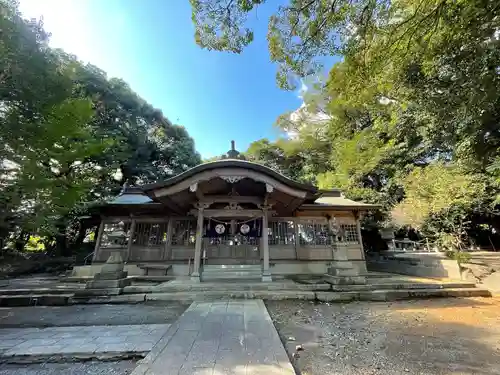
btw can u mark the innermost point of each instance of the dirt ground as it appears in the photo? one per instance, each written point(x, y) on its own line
point(431, 337)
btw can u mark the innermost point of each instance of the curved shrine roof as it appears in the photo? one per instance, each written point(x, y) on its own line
point(233, 163)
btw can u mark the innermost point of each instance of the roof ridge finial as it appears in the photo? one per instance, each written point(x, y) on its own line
point(233, 153)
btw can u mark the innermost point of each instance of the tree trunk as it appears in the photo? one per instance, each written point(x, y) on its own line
point(61, 247)
point(21, 241)
point(81, 236)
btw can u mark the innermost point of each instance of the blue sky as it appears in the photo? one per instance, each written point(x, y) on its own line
point(149, 43)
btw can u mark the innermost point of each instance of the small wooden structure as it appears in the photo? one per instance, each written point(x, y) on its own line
point(231, 212)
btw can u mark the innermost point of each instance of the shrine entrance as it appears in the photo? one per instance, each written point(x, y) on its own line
point(232, 241)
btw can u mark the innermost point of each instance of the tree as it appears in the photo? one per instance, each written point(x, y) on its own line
point(151, 147)
point(436, 188)
point(54, 170)
point(417, 88)
point(298, 33)
point(65, 129)
point(294, 160)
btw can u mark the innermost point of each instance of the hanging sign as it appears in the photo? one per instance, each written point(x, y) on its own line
point(216, 229)
point(245, 229)
point(220, 229)
point(251, 228)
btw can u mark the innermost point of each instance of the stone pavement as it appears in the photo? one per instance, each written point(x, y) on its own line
point(219, 338)
point(70, 368)
point(83, 341)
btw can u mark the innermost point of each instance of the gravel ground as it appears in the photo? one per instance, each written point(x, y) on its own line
point(84, 368)
point(85, 315)
point(431, 337)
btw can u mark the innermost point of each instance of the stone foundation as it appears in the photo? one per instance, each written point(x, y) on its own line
point(421, 265)
point(109, 281)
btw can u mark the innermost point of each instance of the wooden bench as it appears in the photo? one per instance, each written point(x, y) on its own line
point(156, 267)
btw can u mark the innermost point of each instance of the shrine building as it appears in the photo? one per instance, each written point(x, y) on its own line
point(231, 219)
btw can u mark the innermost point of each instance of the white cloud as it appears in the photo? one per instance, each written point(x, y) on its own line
point(303, 89)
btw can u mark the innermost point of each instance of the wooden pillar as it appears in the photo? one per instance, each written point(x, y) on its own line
point(297, 237)
point(358, 229)
point(130, 240)
point(195, 276)
point(98, 240)
point(266, 273)
point(167, 251)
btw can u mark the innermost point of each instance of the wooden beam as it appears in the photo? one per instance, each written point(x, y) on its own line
point(294, 204)
point(231, 199)
point(230, 213)
point(167, 201)
point(146, 219)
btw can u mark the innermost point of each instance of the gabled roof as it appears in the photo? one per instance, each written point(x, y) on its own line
point(310, 197)
point(339, 202)
point(131, 198)
point(234, 163)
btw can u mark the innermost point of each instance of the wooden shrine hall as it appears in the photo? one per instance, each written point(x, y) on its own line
point(231, 215)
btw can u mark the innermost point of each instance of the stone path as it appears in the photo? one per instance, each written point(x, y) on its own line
point(88, 340)
point(219, 338)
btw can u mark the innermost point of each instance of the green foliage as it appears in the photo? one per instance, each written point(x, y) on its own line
point(302, 160)
point(35, 243)
point(218, 24)
point(454, 253)
point(412, 108)
point(65, 130)
point(459, 256)
point(431, 190)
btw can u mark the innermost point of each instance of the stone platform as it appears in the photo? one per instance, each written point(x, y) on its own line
point(20, 345)
point(219, 338)
point(379, 286)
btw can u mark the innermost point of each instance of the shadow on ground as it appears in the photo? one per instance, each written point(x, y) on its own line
point(88, 315)
point(431, 337)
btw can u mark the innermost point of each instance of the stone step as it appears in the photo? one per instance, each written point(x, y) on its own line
point(221, 295)
point(229, 271)
point(150, 278)
point(231, 286)
point(401, 294)
point(209, 267)
point(230, 274)
point(229, 278)
point(37, 291)
point(373, 295)
point(34, 300)
point(98, 292)
point(441, 285)
point(287, 285)
point(133, 289)
point(210, 295)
